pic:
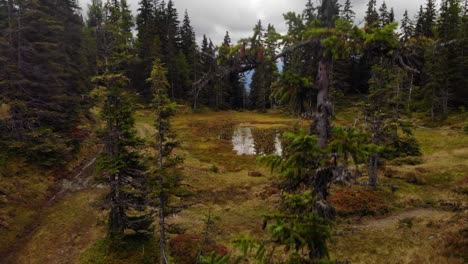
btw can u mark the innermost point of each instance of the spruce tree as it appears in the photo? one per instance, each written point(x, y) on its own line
point(372, 16)
point(188, 46)
point(169, 46)
point(121, 161)
point(384, 15)
point(235, 89)
point(429, 19)
point(347, 14)
point(165, 177)
point(309, 12)
point(407, 29)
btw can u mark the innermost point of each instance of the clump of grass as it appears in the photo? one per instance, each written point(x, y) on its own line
point(214, 168)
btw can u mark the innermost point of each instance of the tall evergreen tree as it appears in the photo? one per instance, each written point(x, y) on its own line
point(121, 161)
point(407, 29)
point(384, 15)
point(418, 30)
point(372, 16)
point(188, 46)
point(165, 177)
point(430, 17)
point(309, 13)
point(235, 89)
point(347, 14)
point(169, 42)
point(147, 44)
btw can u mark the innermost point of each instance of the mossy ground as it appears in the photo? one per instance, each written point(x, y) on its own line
point(422, 222)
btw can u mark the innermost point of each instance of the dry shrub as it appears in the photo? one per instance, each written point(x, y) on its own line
point(456, 244)
point(362, 201)
point(414, 178)
point(185, 248)
point(255, 174)
point(462, 186)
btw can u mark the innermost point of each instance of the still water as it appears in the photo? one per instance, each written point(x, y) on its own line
point(255, 141)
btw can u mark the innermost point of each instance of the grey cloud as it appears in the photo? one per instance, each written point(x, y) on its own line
point(215, 17)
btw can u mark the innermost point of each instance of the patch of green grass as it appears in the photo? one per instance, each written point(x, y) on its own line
point(424, 242)
point(137, 249)
point(439, 139)
point(24, 189)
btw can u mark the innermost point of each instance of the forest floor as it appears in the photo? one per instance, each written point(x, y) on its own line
point(424, 221)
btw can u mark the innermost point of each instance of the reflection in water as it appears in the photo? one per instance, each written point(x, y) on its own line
point(252, 141)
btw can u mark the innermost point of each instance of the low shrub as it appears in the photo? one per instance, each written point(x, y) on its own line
point(186, 247)
point(214, 169)
point(359, 201)
point(456, 244)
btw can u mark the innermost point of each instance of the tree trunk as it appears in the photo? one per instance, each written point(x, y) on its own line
point(116, 215)
point(321, 124)
point(162, 203)
point(410, 93)
point(373, 165)
point(374, 157)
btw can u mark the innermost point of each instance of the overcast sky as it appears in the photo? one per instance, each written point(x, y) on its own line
point(215, 17)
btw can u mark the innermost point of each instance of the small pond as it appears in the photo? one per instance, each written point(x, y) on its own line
point(256, 141)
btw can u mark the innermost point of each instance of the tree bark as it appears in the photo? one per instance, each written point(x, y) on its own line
point(162, 200)
point(373, 165)
point(321, 124)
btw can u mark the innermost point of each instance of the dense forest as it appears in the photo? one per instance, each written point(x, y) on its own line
point(125, 110)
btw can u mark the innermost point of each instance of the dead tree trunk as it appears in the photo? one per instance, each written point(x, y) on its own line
point(321, 124)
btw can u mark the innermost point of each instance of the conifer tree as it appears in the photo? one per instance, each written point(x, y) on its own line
point(418, 30)
point(120, 162)
point(384, 15)
point(188, 47)
point(147, 45)
point(235, 89)
point(166, 180)
point(347, 14)
point(309, 13)
point(169, 46)
point(407, 29)
point(429, 19)
point(372, 16)
point(188, 44)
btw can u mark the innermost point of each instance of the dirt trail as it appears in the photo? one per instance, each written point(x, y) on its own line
point(391, 221)
point(67, 208)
